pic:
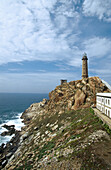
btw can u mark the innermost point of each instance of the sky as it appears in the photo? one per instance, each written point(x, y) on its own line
point(43, 41)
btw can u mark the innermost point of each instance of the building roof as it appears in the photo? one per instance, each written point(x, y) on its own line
point(104, 94)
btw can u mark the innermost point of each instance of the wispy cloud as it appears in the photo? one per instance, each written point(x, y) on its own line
point(103, 71)
point(46, 31)
point(101, 9)
point(36, 30)
point(97, 47)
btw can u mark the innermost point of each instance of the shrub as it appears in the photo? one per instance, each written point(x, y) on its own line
point(107, 128)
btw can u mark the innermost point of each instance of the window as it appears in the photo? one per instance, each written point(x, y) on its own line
point(108, 102)
point(99, 99)
point(108, 113)
point(102, 100)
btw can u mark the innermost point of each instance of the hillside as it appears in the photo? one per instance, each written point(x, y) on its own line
point(63, 132)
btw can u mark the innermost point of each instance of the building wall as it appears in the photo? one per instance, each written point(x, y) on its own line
point(63, 81)
point(103, 103)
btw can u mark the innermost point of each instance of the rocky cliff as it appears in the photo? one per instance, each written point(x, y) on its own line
point(63, 132)
point(76, 94)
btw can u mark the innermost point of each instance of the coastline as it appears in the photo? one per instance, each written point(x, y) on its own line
point(11, 149)
point(17, 122)
point(61, 128)
point(11, 142)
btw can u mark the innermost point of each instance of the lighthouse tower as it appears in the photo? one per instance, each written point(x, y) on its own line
point(84, 66)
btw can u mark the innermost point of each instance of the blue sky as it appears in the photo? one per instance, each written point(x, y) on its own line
point(42, 41)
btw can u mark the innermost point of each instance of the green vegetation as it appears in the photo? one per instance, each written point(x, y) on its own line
point(26, 167)
point(46, 147)
point(91, 111)
point(108, 130)
point(74, 127)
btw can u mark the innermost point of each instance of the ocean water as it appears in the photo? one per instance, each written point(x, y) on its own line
point(12, 105)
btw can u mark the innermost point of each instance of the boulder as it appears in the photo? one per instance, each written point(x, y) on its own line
point(71, 102)
point(5, 133)
point(55, 127)
point(8, 133)
point(24, 136)
point(8, 127)
point(88, 99)
point(4, 163)
point(79, 98)
point(85, 81)
point(43, 103)
point(79, 85)
point(72, 83)
point(2, 148)
point(9, 155)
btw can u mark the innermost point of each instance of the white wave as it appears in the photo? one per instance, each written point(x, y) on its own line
point(5, 139)
point(2, 129)
point(18, 124)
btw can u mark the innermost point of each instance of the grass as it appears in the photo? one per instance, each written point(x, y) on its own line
point(81, 124)
point(45, 148)
point(26, 167)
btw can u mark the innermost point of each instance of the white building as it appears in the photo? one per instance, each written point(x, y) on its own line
point(103, 103)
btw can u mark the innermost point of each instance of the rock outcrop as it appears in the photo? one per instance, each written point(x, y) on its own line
point(10, 130)
point(63, 132)
point(76, 94)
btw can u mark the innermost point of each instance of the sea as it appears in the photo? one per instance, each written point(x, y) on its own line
point(12, 105)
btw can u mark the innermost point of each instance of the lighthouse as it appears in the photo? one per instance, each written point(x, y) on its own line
point(84, 66)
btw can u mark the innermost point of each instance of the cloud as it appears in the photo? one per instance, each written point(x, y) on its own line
point(46, 31)
point(96, 47)
point(36, 30)
point(101, 9)
point(75, 60)
point(101, 71)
